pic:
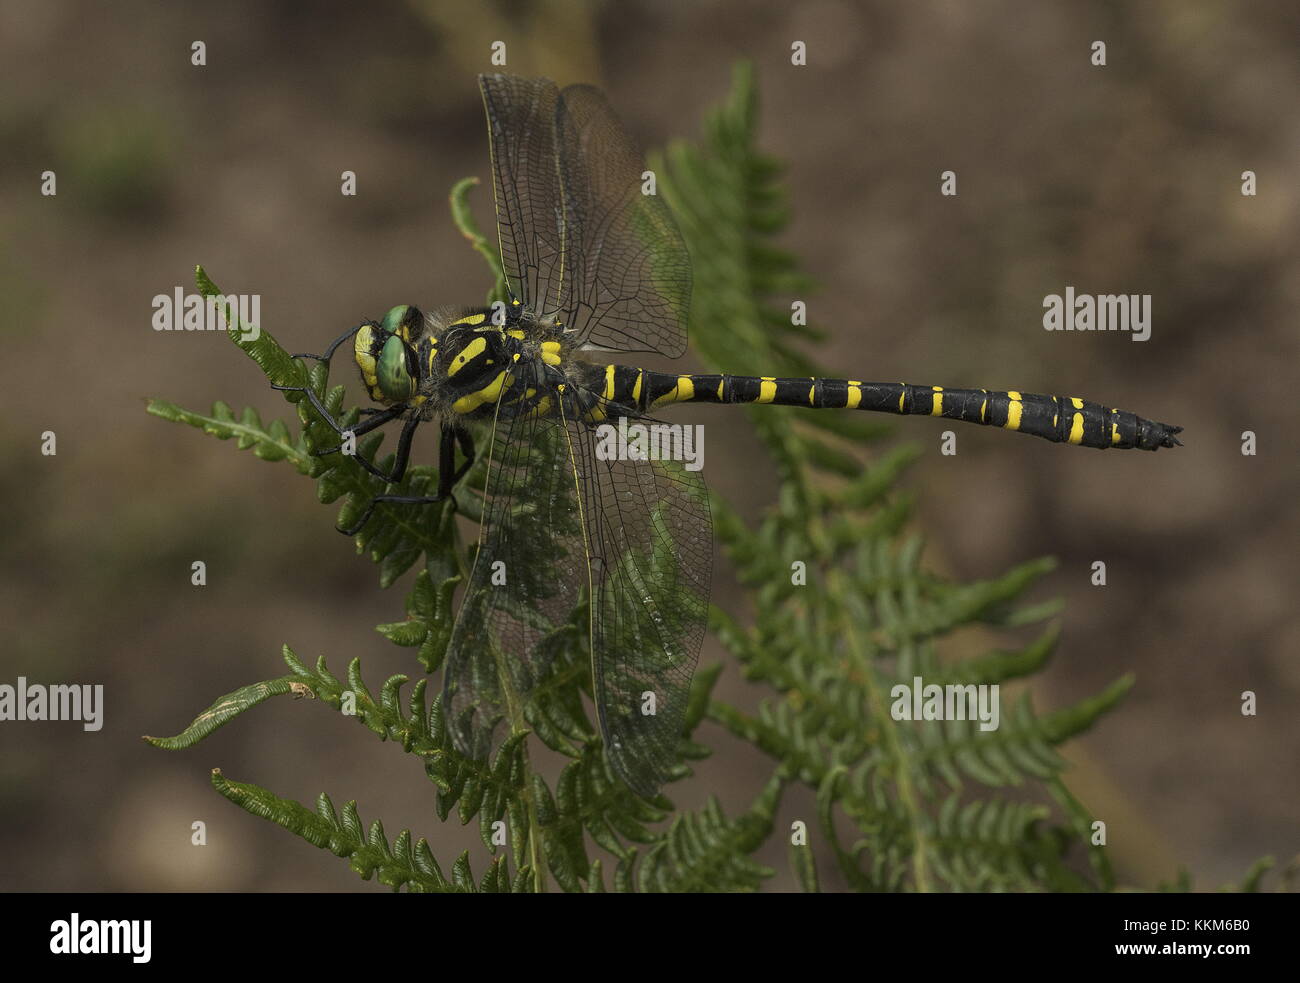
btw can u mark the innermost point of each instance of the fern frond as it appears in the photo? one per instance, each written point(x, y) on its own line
point(400, 865)
point(705, 851)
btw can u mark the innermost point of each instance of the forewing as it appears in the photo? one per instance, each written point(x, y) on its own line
point(627, 273)
point(521, 117)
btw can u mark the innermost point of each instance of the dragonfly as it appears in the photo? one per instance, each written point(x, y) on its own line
point(593, 263)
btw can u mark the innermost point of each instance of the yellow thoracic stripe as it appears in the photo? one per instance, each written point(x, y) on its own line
point(471, 351)
point(516, 333)
point(937, 408)
point(474, 319)
point(766, 389)
point(485, 395)
point(1014, 408)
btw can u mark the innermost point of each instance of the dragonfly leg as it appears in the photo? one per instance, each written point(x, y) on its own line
point(377, 417)
point(447, 477)
point(329, 352)
point(403, 451)
point(403, 444)
point(391, 500)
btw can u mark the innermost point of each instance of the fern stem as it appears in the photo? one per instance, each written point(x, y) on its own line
point(907, 792)
point(519, 726)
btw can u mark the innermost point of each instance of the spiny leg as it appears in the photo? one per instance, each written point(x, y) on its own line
point(378, 416)
point(466, 441)
point(403, 446)
point(447, 476)
point(329, 352)
point(378, 420)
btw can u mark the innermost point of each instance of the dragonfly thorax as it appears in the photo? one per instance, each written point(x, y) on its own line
point(456, 363)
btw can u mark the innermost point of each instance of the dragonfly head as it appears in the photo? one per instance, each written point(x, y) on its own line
point(385, 353)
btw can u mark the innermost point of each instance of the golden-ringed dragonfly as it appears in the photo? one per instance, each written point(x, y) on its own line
point(593, 263)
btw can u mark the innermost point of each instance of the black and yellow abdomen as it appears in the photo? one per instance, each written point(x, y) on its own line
point(1061, 419)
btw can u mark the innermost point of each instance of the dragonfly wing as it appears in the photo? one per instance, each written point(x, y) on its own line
point(577, 236)
point(521, 117)
point(530, 572)
point(637, 536)
point(649, 534)
point(628, 274)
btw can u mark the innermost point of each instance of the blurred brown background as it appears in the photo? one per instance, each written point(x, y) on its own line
point(1117, 179)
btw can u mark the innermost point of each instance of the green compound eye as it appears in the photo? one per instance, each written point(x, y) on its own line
point(392, 322)
point(395, 381)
